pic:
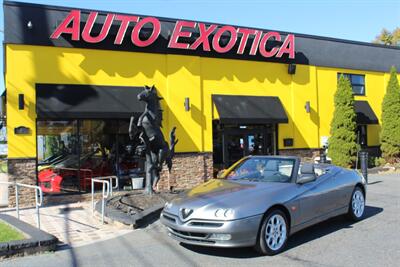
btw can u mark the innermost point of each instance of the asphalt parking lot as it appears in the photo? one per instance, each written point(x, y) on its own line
point(374, 241)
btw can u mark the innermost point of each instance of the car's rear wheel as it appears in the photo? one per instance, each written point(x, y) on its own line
point(273, 233)
point(357, 204)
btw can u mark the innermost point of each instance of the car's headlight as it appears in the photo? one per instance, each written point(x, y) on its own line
point(167, 205)
point(224, 213)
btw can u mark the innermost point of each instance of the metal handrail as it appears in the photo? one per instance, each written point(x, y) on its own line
point(38, 198)
point(110, 178)
point(105, 195)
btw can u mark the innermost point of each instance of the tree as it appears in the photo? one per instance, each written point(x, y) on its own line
point(390, 135)
point(342, 142)
point(388, 38)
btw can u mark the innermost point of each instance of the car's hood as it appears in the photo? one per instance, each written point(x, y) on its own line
point(215, 194)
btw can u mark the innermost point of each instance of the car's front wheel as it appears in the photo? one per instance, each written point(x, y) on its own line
point(273, 233)
point(357, 204)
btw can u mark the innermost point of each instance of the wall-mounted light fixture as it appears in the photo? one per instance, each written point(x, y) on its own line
point(22, 130)
point(292, 68)
point(21, 102)
point(287, 142)
point(187, 104)
point(307, 106)
point(29, 25)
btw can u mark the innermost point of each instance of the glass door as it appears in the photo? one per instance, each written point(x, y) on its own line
point(238, 142)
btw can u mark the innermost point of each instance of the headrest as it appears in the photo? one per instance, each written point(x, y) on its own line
point(307, 168)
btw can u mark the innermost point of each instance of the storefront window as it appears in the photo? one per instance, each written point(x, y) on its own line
point(71, 153)
point(58, 156)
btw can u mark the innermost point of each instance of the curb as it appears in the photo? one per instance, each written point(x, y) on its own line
point(383, 170)
point(38, 241)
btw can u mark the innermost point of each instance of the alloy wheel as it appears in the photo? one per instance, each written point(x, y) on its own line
point(275, 232)
point(358, 203)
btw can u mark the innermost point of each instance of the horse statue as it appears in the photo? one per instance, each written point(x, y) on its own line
point(148, 127)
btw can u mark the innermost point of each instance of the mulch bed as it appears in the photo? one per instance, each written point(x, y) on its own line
point(138, 202)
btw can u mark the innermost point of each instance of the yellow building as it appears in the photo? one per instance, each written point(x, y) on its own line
point(72, 77)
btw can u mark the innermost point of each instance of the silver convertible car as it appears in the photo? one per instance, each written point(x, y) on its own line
point(261, 200)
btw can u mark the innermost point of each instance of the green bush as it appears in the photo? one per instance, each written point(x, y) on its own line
point(390, 135)
point(342, 142)
point(380, 162)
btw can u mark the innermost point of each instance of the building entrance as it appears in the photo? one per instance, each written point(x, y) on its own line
point(232, 142)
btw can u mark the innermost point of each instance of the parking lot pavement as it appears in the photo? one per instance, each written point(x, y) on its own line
point(373, 241)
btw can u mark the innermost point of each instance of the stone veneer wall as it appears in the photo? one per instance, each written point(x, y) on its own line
point(306, 155)
point(22, 171)
point(188, 170)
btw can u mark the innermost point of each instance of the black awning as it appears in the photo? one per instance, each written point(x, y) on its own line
point(365, 114)
point(69, 101)
point(249, 109)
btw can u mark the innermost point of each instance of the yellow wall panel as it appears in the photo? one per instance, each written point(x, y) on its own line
point(375, 88)
point(184, 81)
point(177, 77)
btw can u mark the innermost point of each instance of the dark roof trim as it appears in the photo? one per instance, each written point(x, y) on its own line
point(364, 113)
point(310, 50)
point(310, 36)
point(234, 109)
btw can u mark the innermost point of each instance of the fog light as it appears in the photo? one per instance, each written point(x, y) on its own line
point(221, 237)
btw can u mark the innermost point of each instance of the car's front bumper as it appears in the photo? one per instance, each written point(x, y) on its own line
point(234, 233)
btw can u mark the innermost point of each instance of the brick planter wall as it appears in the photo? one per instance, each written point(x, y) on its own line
point(188, 170)
point(22, 171)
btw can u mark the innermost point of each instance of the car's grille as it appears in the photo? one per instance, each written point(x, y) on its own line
point(206, 224)
point(190, 234)
point(197, 223)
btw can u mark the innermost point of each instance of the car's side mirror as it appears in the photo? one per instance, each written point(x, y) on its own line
point(307, 174)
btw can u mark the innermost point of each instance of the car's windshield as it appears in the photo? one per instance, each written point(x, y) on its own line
point(262, 170)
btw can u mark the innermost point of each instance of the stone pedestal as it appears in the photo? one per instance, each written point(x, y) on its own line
point(22, 171)
point(188, 170)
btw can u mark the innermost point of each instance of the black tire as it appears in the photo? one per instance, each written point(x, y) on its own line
point(261, 246)
point(355, 214)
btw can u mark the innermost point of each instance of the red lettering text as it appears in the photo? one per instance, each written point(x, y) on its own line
point(173, 42)
point(287, 47)
point(203, 38)
point(232, 39)
point(75, 17)
point(125, 20)
point(243, 41)
point(256, 41)
point(264, 40)
point(154, 35)
point(104, 30)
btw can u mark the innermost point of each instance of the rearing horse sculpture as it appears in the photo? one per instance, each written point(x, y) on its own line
point(157, 150)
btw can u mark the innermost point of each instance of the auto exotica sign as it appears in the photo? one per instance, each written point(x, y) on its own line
point(223, 39)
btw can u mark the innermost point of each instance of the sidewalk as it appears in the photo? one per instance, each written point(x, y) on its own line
point(73, 224)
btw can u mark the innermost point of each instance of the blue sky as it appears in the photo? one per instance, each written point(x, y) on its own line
point(359, 20)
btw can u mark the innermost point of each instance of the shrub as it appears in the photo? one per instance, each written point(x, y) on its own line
point(380, 162)
point(390, 135)
point(342, 142)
